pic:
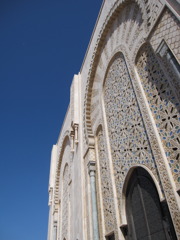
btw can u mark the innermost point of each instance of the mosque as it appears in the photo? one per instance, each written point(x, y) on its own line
point(115, 169)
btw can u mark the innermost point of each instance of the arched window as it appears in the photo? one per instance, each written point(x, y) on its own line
point(148, 218)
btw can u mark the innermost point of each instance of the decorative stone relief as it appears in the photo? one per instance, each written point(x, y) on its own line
point(126, 25)
point(168, 28)
point(65, 202)
point(150, 11)
point(128, 138)
point(131, 20)
point(106, 185)
point(60, 154)
point(135, 28)
point(153, 8)
point(87, 199)
point(164, 106)
point(126, 30)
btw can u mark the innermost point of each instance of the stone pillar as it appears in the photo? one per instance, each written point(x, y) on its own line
point(92, 174)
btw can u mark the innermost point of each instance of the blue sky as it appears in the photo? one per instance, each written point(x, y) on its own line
point(42, 45)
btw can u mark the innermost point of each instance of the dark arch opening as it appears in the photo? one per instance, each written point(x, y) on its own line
point(147, 217)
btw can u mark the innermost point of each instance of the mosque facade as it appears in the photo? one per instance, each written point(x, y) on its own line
point(115, 169)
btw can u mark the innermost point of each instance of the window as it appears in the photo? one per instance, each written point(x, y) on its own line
point(166, 54)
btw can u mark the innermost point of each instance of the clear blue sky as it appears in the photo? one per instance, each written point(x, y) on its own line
point(42, 45)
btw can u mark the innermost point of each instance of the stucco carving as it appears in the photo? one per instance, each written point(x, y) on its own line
point(105, 56)
point(168, 28)
point(65, 204)
point(137, 109)
point(165, 109)
point(164, 106)
point(61, 149)
point(120, 37)
point(150, 10)
point(127, 134)
point(106, 185)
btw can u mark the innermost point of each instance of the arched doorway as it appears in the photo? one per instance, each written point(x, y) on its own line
point(148, 218)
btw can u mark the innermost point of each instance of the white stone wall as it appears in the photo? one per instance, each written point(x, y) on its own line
point(106, 117)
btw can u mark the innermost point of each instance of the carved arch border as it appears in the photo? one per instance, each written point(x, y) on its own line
point(104, 206)
point(121, 49)
point(125, 186)
point(129, 63)
point(65, 190)
point(159, 155)
point(114, 11)
point(165, 175)
point(63, 145)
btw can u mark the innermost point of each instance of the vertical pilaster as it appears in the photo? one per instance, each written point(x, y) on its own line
point(92, 174)
point(55, 231)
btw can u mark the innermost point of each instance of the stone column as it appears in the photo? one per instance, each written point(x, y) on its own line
point(92, 174)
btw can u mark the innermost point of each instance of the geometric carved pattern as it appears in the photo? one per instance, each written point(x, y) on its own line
point(135, 26)
point(125, 30)
point(127, 134)
point(164, 106)
point(106, 185)
point(168, 28)
point(150, 10)
point(65, 210)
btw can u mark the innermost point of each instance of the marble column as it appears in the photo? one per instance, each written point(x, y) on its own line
point(92, 174)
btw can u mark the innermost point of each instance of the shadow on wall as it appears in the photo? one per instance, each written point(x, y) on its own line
point(132, 14)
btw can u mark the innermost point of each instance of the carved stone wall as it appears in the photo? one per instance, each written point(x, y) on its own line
point(126, 94)
point(164, 106)
point(106, 185)
point(152, 8)
point(128, 138)
point(127, 34)
point(65, 205)
point(167, 28)
point(122, 11)
point(65, 178)
point(126, 31)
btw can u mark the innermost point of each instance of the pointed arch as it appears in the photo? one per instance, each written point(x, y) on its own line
point(65, 141)
point(150, 10)
point(146, 216)
point(125, 186)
